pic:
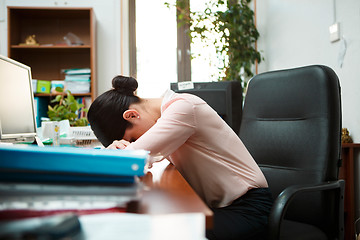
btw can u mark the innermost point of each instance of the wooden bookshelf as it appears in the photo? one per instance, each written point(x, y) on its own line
point(52, 55)
point(348, 173)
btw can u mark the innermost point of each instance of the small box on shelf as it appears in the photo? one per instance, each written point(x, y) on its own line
point(43, 86)
point(55, 84)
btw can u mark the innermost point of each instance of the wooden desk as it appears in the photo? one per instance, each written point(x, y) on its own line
point(347, 173)
point(168, 192)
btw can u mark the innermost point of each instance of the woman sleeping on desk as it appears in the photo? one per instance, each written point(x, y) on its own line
point(203, 148)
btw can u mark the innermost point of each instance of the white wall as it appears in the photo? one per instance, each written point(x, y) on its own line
point(112, 51)
point(295, 33)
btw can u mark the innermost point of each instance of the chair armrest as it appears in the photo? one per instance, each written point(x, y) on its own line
point(282, 202)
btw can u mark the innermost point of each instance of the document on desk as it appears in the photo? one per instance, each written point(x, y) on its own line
point(129, 226)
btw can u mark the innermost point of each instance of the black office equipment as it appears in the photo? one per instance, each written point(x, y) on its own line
point(291, 125)
point(61, 226)
point(224, 97)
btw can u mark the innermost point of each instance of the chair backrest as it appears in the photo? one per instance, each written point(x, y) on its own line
point(291, 124)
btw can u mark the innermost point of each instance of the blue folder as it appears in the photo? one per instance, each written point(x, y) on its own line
point(68, 164)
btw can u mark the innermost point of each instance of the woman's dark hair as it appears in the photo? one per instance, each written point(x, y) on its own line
point(105, 114)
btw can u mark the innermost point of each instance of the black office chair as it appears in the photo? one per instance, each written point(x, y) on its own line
point(291, 124)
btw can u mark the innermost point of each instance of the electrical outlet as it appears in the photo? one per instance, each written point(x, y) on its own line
point(334, 32)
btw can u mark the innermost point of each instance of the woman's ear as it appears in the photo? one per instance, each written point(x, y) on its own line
point(130, 115)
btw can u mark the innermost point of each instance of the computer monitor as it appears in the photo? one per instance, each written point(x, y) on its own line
point(17, 112)
point(224, 97)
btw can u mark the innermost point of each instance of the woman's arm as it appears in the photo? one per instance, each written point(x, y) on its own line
point(119, 144)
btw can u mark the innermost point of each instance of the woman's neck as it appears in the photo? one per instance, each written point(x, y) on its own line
point(152, 106)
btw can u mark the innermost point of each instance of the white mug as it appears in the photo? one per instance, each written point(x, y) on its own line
point(48, 129)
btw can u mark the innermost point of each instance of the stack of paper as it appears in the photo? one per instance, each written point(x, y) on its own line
point(77, 80)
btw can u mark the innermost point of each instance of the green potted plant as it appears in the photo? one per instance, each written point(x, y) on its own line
point(236, 34)
point(67, 107)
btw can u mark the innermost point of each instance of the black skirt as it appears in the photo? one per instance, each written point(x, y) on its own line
point(246, 218)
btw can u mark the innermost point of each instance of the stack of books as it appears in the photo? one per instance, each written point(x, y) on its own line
point(77, 80)
point(42, 181)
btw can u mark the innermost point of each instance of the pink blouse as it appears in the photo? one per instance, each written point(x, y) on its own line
point(204, 149)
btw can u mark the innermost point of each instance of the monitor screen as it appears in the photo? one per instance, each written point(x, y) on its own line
point(17, 114)
point(224, 97)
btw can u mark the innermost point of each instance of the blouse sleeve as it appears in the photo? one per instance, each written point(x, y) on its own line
point(173, 128)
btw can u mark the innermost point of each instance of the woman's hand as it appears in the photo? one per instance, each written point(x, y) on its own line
point(118, 144)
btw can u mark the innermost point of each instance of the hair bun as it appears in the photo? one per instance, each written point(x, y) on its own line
point(125, 85)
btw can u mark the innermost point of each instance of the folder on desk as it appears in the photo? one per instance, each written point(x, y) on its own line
point(67, 164)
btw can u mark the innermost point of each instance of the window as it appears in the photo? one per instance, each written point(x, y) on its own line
point(156, 47)
point(205, 62)
point(163, 49)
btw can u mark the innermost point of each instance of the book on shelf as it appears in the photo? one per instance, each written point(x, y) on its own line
point(78, 77)
point(75, 71)
point(43, 86)
point(41, 107)
point(77, 80)
point(81, 113)
point(78, 86)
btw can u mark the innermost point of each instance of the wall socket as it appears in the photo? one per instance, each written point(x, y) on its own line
point(334, 32)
